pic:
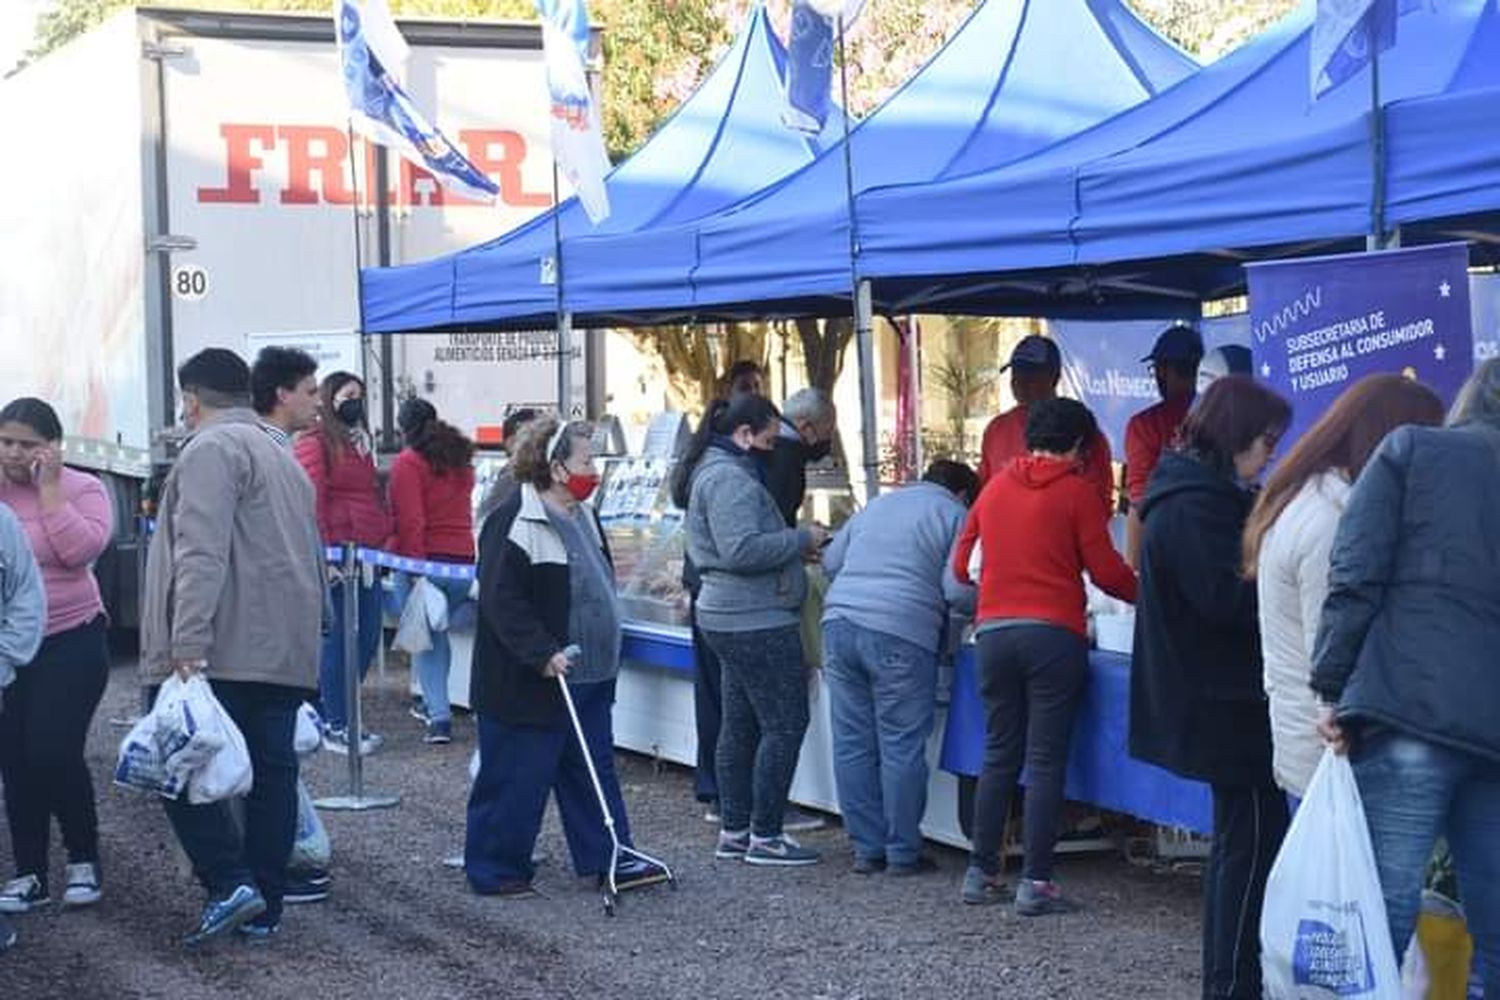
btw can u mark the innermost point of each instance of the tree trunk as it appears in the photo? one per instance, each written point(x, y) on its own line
point(823, 345)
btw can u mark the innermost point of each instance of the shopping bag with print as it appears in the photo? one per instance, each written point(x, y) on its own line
point(1323, 930)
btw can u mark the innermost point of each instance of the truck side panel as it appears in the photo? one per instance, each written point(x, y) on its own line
point(71, 257)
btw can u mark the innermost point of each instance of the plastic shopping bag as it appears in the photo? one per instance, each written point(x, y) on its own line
point(413, 632)
point(309, 730)
point(226, 774)
point(1323, 929)
point(436, 603)
point(311, 849)
point(168, 744)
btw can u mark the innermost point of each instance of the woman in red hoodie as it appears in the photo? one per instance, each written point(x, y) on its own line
point(1040, 524)
point(341, 464)
point(432, 496)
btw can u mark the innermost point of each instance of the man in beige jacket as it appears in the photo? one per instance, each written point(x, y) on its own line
point(234, 591)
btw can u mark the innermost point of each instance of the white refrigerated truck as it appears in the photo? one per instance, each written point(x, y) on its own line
point(175, 180)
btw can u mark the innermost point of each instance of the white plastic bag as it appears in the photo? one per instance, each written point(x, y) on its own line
point(309, 730)
point(168, 744)
point(1323, 929)
point(435, 602)
point(413, 633)
point(226, 774)
point(311, 848)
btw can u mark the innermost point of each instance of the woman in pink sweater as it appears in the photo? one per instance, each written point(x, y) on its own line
point(47, 711)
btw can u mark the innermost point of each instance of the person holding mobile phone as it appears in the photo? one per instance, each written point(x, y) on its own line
point(68, 520)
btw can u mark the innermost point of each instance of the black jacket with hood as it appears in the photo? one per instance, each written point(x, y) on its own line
point(1197, 699)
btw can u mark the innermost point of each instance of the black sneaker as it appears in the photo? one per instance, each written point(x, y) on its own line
point(868, 866)
point(23, 894)
point(780, 852)
point(794, 820)
point(633, 873)
point(515, 889)
point(300, 890)
point(439, 732)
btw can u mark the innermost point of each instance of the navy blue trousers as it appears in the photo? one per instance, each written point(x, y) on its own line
point(518, 767)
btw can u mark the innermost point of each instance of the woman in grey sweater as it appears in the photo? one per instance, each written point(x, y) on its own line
point(749, 612)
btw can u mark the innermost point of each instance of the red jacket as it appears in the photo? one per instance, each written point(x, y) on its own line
point(1005, 441)
point(350, 507)
point(1041, 524)
point(434, 513)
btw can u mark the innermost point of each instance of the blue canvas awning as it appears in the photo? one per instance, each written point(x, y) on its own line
point(1016, 77)
point(725, 141)
point(1238, 157)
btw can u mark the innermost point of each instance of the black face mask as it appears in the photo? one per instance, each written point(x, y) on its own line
point(351, 412)
point(818, 452)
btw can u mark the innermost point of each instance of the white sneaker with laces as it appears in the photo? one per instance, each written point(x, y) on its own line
point(83, 885)
point(23, 894)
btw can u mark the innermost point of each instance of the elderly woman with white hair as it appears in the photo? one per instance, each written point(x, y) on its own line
point(1405, 659)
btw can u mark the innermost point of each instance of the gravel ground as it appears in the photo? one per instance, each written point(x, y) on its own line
point(399, 924)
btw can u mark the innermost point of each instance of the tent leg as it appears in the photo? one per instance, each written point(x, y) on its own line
point(564, 365)
point(869, 427)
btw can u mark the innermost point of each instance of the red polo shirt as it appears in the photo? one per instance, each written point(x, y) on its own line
point(1005, 441)
point(1148, 434)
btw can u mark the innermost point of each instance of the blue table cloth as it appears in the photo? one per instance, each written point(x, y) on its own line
point(1100, 769)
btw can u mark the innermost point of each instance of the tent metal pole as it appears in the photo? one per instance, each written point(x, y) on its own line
point(868, 430)
point(1376, 240)
point(863, 302)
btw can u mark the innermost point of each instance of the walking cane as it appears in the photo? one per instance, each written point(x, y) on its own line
point(617, 849)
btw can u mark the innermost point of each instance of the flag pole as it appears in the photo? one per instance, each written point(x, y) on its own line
point(861, 299)
point(1377, 238)
point(564, 321)
point(359, 299)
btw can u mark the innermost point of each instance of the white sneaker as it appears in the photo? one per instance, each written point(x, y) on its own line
point(23, 894)
point(83, 885)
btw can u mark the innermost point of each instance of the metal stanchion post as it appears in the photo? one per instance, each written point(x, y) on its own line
point(357, 800)
point(380, 626)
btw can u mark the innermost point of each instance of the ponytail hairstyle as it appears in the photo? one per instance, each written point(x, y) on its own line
point(721, 419)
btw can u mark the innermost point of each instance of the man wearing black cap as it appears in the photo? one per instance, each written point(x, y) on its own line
point(1174, 361)
point(234, 593)
point(1035, 368)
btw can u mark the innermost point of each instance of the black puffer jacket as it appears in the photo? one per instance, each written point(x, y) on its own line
point(1411, 629)
point(1197, 703)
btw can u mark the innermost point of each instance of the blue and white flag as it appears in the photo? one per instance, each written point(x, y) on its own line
point(577, 140)
point(372, 53)
point(809, 71)
point(1348, 34)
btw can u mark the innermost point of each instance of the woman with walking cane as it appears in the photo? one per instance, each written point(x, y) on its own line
point(547, 610)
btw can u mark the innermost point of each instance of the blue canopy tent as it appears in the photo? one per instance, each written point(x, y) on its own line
point(1162, 204)
point(724, 142)
point(1017, 76)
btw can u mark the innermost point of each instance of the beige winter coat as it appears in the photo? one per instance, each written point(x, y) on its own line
point(1292, 579)
point(233, 575)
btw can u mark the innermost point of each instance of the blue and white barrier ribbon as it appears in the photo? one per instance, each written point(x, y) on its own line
point(374, 557)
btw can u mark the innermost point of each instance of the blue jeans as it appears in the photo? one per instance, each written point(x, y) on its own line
point(518, 767)
point(331, 680)
point(1414, 792)
point(882, 696)
point(765, 716)
point(223, 857)
point(432, 666)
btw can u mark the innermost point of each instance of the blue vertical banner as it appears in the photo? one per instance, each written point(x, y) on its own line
point(1320, 324)
point(1347, 34)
